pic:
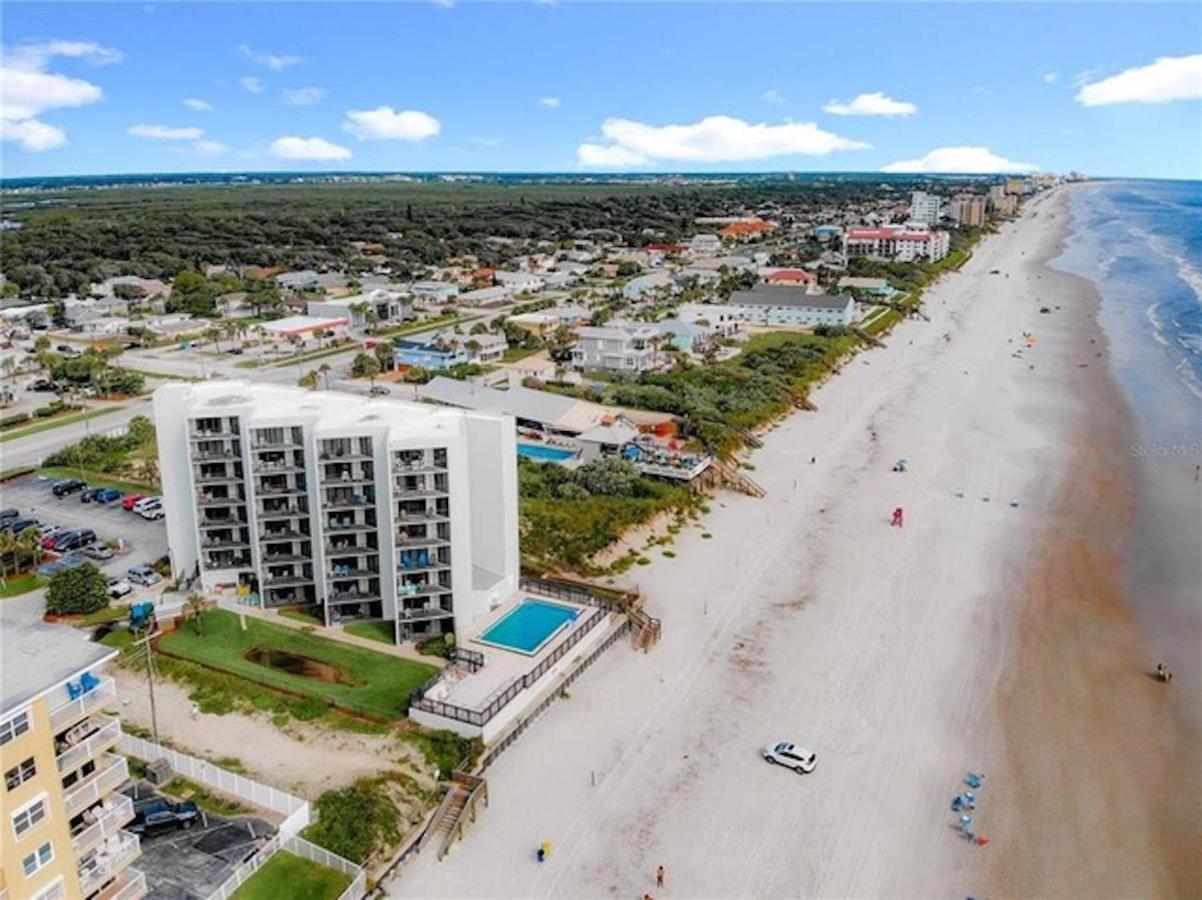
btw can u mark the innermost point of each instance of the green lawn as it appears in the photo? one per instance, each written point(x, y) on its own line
point(99, 479)
point(289, 877)
point(374, 683)
point(55, 422)
point(20, 584)
point(299, 615)
point(377, 631)
point(513, 354)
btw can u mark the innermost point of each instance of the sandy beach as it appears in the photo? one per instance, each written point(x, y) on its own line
point(983, 635)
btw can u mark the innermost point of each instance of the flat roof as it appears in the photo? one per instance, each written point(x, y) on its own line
point(38, 657)
point(782, 295)
point(301, 323)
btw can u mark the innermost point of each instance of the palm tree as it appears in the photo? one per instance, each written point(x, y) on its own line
point(230, 329)
point(324, 371)
point(29, 544)
point(194, 608)
point(8, 549)
point(308, 381)
point(213, 335)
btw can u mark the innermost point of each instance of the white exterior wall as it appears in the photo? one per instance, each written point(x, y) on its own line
point(799, 316)
point(480, 477)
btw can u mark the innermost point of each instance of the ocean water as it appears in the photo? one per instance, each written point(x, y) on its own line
point(1140, 243)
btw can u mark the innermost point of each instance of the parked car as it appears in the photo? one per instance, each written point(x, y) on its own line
point(98, 551)
point(68, 561)
point(16, 526)
point(11, 513)
point(42, 385)
point(150, 508)
point(108, 495)
point(378, 390)
point(119, 587)
point(791, 756)
point(131, 500)
point(143, 575)
point(161, 814)
point(68, 486)
point(88, 495)
point(234, 351)
point(49, 528)
point(75, 539)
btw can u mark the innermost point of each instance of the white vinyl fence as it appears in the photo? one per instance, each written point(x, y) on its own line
point(295, 810)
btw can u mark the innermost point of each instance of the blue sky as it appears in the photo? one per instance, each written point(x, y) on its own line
point(101, 88)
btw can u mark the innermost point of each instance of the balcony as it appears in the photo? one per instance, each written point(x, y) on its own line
point(423, 613)
point(86, 740)
point(282, 535)
point(406, 542)
point(261, 447)
point(216, 478)
point(347, 503)
point(419, 493)
point(130, 885)
point(214, 455)
point(218, 565)
point(421, 518)
point(117, 810)
point(72, 709)
point(350, 549)
point(222, 522)
point(208, 500)
point(283, 512)
point(284, 581)
point(277, 468)
point(111, 773)
point(352, 598)
point(422, 590)
point(348, 574)
point(108, 861)
point(219, 435)
point(227, 544)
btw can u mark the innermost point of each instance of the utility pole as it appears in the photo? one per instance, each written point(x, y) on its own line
point(154, 716)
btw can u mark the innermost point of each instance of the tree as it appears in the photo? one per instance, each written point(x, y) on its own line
point(77, 591)
point(194, 608)
point(365, 365)
point(192, 292)
point(324, 371)
point(384, 353)
point(8, 553)
point(29, 546)
point(308, 381)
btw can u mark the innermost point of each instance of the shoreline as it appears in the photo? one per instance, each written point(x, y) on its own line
point(1111, 778)
point(808, 618)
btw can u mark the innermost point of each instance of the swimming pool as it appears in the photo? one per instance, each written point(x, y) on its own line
point(543, 453)
point(528, 626)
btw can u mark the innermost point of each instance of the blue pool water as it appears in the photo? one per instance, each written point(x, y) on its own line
point(529, 626)
point(543, 453)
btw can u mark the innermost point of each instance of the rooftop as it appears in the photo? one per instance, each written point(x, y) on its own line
point(39, 657)
point(783, 295)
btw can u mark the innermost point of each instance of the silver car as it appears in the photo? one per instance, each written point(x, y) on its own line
point(791, 756)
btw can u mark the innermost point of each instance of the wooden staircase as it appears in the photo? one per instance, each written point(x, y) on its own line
point(457, 810)
point(736, 480)
point(866, 337)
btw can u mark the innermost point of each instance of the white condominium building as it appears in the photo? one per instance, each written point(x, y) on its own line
point(352, 507)
point(924, 207)
point(904, 243)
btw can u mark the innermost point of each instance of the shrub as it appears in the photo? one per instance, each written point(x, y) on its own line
point(354, 821)
point(14, 419)
point(78, 591)
point(43, 412)
point(444, 750)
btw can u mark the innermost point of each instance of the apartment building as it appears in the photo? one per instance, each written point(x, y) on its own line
point(351, 507)
point(786, 306)
point(969, 210)
point(617, 347)
point(903, 243)
point(62, 816)
point(924, 207)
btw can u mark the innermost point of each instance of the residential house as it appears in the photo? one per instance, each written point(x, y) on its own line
point(389, 306)
point(622, 347)
point(517, 282)
point(791, 277)
point(869, 287)
point(792, 307)
point(434, 291)
point(705, 245)
point(650, 285)
point(431, 354)
point(724, 319)
point(304, 328)
point(488, 296)
point(747, 230)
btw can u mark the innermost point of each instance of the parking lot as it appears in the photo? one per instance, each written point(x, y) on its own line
point(190, 864)
point(145, 540)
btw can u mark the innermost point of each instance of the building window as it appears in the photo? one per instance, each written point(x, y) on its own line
point(40, 857)
point(13, 728)
point(28, 816)
point(18, 775)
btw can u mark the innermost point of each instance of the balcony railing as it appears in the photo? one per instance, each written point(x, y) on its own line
point(283, 581)
point(130, 886)
point(350, 549)
point(423, 613)
point(108, 862)
point(107, 823)
point(104, 737)
point(71, 710)
point(408, 542)
point(109, 775)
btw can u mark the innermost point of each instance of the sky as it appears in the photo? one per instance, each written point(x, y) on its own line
point(114, 88)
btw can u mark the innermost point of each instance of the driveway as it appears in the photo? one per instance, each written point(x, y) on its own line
point(190, 864)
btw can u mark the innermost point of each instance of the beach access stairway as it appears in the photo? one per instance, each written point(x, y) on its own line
point(736, 480)
point(457, 810)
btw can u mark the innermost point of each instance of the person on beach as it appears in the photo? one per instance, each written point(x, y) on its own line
point(898, 519)
point(660, 874)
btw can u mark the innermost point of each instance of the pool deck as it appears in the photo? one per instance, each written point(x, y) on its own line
point(503, 667)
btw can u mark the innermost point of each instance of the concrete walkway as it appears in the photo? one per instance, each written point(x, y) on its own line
point(334, 632)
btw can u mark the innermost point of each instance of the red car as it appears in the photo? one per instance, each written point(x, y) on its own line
point(131, 500)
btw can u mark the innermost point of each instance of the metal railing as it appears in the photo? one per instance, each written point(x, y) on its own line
point(105, 780)
point(107, 734)
point(108, 824)
point(71, 710)
point(479, 717)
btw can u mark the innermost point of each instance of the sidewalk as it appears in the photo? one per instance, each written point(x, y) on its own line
point(333, 632)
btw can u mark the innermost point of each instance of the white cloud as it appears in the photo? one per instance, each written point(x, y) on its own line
point(484, 141)
point(550, 102)
point(386, 124)
point(1167, 78)
point(32, 134)
point(166, 133)
point(251, 84)
point(1050, 77)
point(276, 63)
point(775, 97)
point(970, 160)
point(209, 148)
point(306, 96)
point(874, 104)
point(198, 105)
point(27, 90)
point(307, 148)
point(713, 139)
